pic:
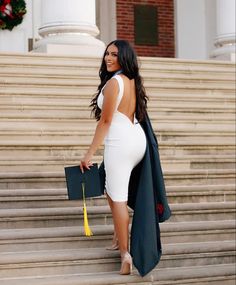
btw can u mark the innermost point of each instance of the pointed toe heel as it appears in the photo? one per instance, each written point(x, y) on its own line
point(114, 246)
point(126, 264)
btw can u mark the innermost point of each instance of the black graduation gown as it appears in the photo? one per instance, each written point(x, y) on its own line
point(147, 198)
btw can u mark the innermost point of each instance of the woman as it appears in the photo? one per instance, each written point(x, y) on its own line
point(119, 106)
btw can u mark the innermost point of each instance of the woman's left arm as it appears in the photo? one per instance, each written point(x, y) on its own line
point(110, 93)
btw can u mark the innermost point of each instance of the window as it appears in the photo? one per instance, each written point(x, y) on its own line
point(145, 25)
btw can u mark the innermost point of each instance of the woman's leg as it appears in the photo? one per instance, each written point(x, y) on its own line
point(121, 223)
point(120, 216)
point(115, 244)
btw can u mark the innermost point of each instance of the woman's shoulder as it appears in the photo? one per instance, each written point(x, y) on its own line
point(122, 79)
point(125, 79)
point(111, 84)
point(118, 80)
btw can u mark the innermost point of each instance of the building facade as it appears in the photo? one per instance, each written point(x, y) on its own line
point(202, 29)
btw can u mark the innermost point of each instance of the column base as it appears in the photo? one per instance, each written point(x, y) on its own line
point(224, 53)
point(70, 44)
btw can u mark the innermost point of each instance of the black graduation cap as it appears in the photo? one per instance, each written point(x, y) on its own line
point(75, 179)
point(81, 185)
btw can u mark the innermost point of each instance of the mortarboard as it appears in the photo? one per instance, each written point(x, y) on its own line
point(83, 185)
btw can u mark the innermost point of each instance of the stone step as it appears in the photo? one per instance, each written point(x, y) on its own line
point(200, 193)
point(75, 125)
point(81, 101)
point(199, 177)
point(183, 65)
point(195, 135)
point(55, 163)
point(157, 115)
point(87, 73)
point(91, 79)
point(74, 66)
point(157, 74)
point(71, 216)
point(71, 150)
point(40, 198)
point(193, 147)
point(71, 137)
point(67, 127)
point(82, 95)
point(38, 60)
point(198, 162)
point(70, 140)
point(146, 70)
point(50, 163)
point(71, 115)
point(50, 93)
point(41, 114)
point(17, 125)
point(222, 274)
point(56, 238)
point(165, 82)
point(28, 180)
point(70, 261)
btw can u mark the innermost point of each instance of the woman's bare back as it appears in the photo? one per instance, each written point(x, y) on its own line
point(127, 105)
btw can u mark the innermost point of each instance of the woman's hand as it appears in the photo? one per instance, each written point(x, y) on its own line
point(85, 163)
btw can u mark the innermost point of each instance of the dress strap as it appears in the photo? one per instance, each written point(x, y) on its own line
point(121, 88)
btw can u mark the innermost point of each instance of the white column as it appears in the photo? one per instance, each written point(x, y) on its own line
point(190, 29)
point(225, 25)
point(107, 14)
point(69, 27)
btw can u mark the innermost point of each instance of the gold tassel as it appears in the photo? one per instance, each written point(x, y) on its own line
point(87, 229)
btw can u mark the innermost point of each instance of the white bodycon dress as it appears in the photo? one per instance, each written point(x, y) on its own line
point(125, 145)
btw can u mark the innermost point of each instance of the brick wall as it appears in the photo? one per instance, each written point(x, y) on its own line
point(125, 26)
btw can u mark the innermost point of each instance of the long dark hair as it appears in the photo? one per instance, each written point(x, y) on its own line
point(128, 61)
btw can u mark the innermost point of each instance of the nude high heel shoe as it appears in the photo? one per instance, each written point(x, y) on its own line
point(114, 246)
point(115, 243)
point(126, 264)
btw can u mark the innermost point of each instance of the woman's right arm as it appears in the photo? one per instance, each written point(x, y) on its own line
point(110, 93)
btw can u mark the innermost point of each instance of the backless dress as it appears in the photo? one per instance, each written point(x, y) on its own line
point(124, 148)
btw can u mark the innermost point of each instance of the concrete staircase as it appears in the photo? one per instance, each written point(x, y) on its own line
point(45, 125)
